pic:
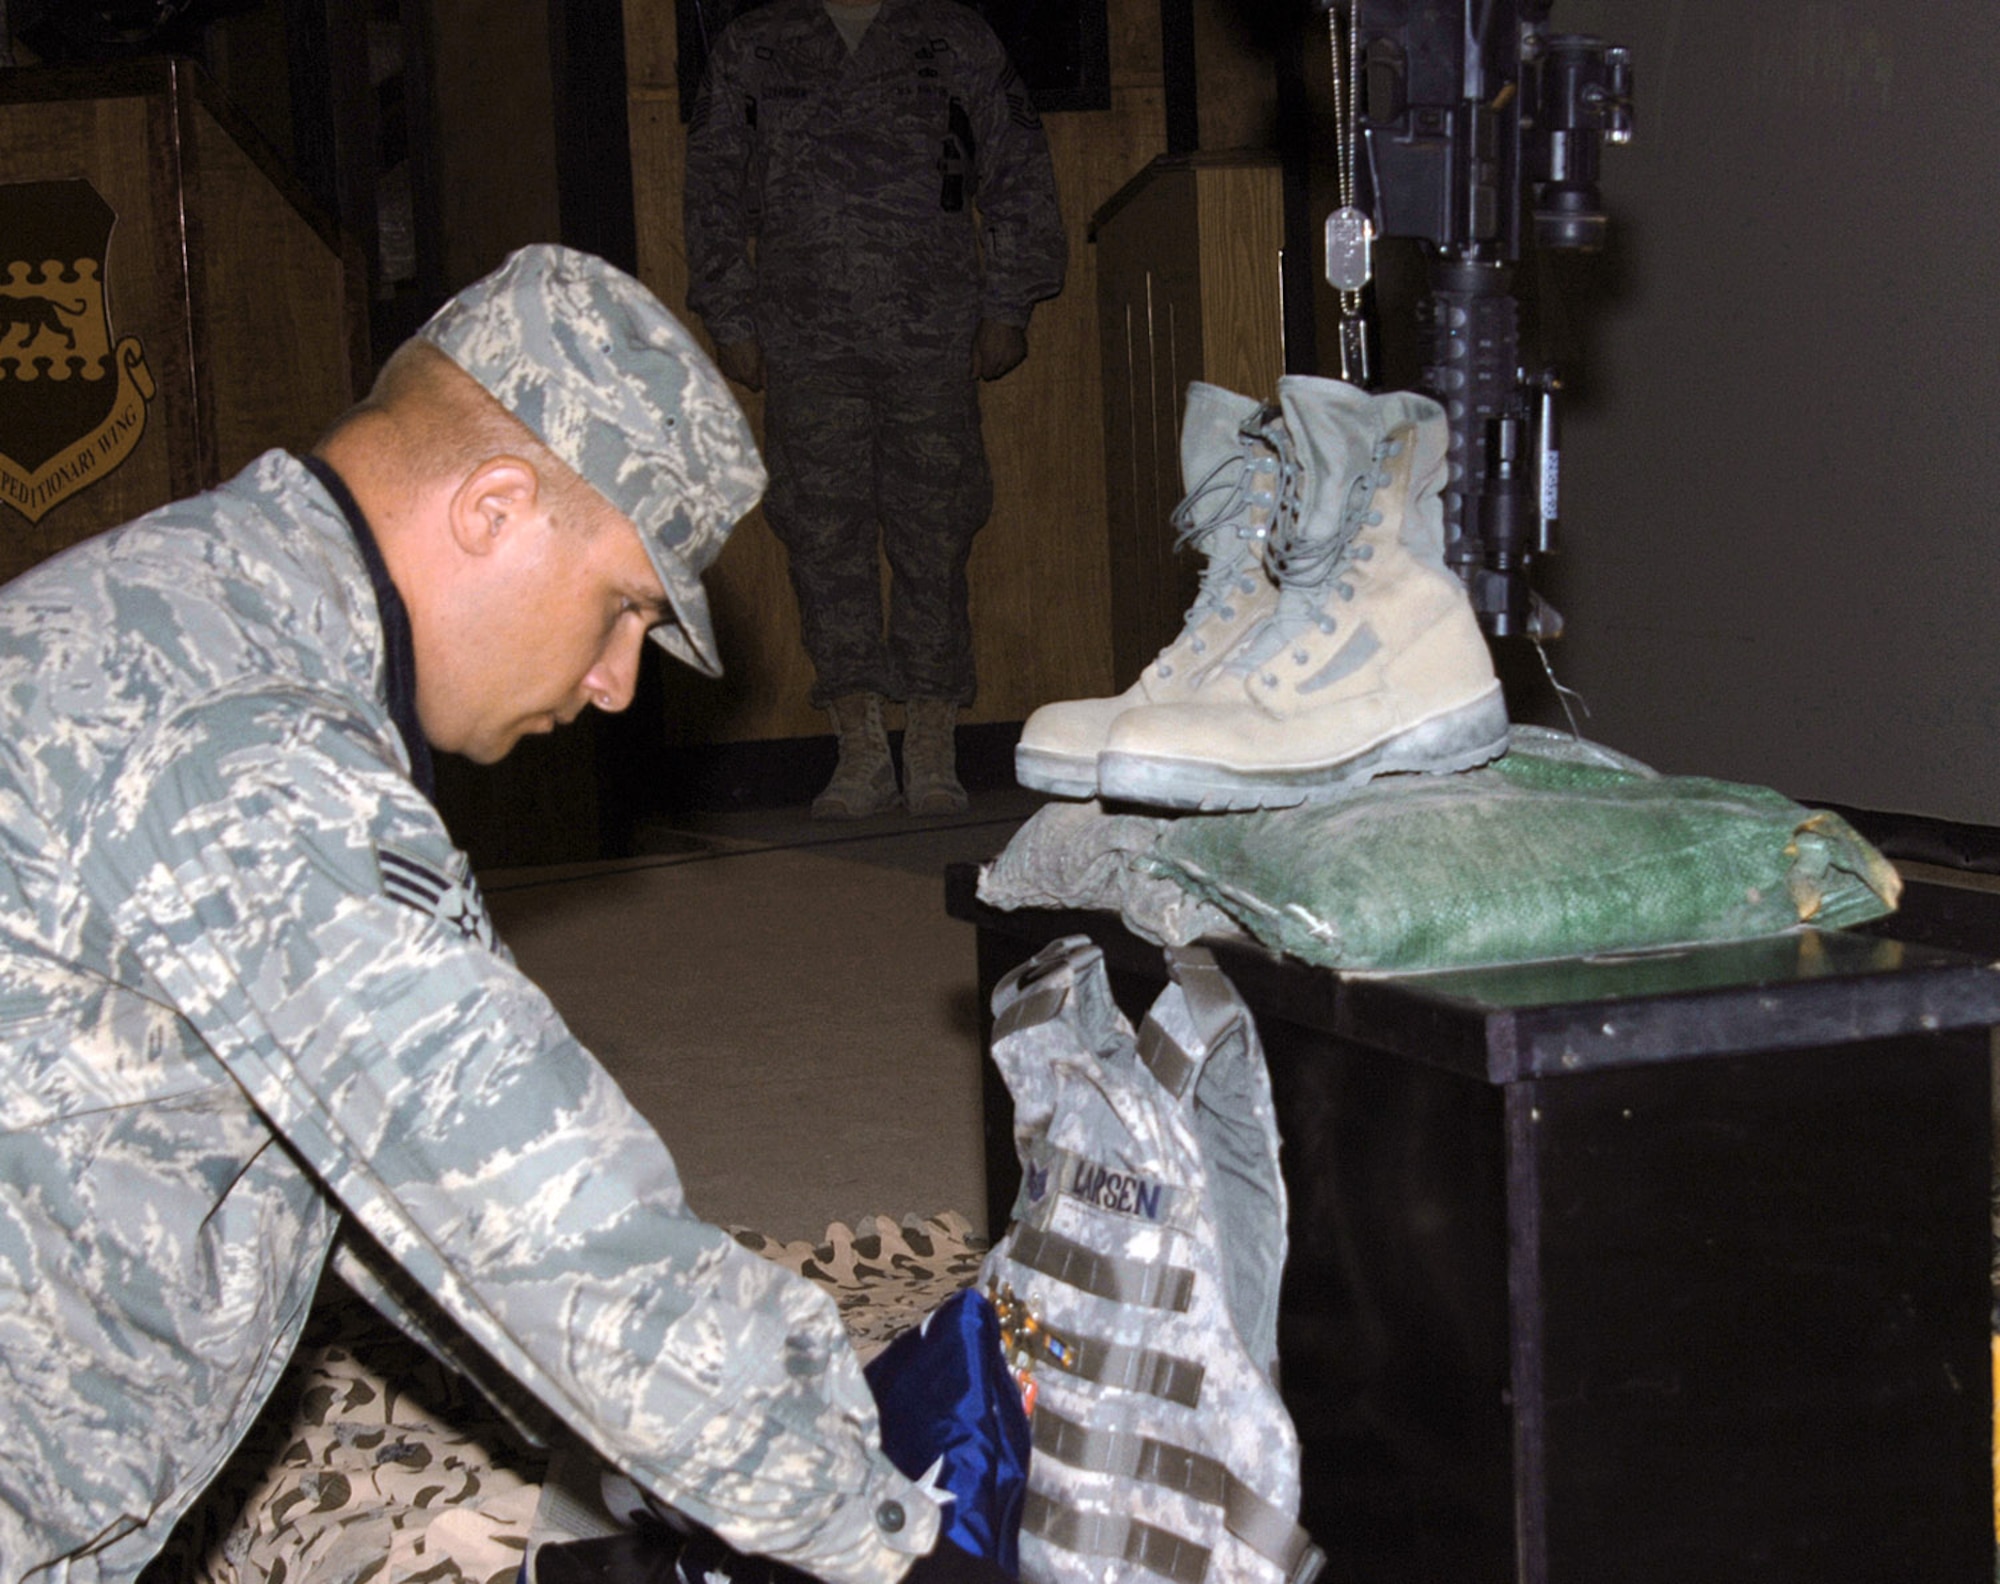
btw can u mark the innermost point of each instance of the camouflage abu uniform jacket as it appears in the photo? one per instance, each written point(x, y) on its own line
point(855, 179)
point(249, 993)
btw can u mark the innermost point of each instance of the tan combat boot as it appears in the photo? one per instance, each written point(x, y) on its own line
point(864, 781)
point(1234, 467)
point(1372, 659)
point(930, 758)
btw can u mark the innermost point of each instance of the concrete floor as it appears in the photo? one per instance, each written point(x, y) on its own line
point(786, 1002)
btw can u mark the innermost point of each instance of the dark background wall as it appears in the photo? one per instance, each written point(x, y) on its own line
point(1776, 563)
point(1780, 563)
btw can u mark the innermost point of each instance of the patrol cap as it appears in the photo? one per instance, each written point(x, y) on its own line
point(612, 383)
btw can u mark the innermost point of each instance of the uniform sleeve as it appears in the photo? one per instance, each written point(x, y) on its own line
point(719, 200)
point(305, 911)
point(1024, 253)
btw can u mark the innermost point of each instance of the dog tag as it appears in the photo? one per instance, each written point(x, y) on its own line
point(1349, 234)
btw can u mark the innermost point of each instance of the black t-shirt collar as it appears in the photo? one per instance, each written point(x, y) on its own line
point(400, 650)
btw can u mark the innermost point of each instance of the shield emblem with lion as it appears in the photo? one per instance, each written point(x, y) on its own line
point(72, 400)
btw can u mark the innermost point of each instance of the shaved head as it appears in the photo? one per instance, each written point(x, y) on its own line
point(442, 425)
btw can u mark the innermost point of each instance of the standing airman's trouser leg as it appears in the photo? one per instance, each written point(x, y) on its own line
point(819, 446)
point(936, 494)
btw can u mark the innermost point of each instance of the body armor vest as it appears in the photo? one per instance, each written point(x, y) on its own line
point(1138, 1282)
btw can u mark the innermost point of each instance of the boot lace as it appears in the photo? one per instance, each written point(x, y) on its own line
point(1226, 514)
point(1308, 568)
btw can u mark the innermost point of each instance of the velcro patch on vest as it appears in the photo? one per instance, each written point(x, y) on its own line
point(451, 896)
point(1050, 1171)
point(1123, 1193)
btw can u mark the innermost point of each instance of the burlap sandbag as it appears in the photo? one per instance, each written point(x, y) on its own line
point(1557, 849)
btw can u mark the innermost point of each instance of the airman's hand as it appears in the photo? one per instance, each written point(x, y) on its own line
point(997, 349)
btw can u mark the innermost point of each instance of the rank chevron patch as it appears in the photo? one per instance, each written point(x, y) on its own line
point(450, 897)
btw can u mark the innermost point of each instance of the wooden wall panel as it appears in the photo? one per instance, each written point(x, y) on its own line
point(1042, 617)
point(1150, 323)
point(280, 326)
point(1132, 29)
point(1240, 218)
point(1236, 90)
point(1187, 289)
point(1040, 578)
point(495, 132)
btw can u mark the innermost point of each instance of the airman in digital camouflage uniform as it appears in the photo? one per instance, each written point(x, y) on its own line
point(255, 1016)
point(871, 216)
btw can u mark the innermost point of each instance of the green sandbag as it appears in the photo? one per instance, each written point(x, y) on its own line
point(1558, 849)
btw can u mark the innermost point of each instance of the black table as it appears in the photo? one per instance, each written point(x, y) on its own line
point(1664, 1268)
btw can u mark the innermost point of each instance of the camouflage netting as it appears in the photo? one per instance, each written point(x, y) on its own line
point(1560, 848)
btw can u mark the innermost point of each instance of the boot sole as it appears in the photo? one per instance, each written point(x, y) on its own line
point(1065, 775)
point(1460, 739)
point(837, 809)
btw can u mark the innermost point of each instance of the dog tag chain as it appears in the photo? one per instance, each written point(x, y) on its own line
point(1350, 234)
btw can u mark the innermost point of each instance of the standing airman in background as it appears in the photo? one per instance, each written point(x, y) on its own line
point(871, 216)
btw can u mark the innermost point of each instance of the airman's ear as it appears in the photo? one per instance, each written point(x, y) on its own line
point(500, 492)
